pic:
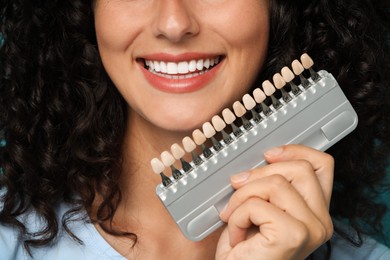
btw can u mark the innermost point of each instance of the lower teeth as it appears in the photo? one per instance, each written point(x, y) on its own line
point(179, 76)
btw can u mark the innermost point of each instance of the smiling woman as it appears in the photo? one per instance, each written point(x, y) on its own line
point(90, 91)
point(132, 35)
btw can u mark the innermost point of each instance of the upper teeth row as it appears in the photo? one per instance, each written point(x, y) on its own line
point(182, 67)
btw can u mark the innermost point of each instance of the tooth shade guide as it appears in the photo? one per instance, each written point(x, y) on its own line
point(198, 137)
point(167, 159)
point(269, 89)
point(228, 116)
point(287, 74)
point(158, 168)
point(177, 151)
point(306, 61)
point(250, 105)
point(249, 102)
point(260, 98)
point(239, 109)
point(308, 64)
point(208, 130)
point(220, 125)
point(188, 144)
point(298, 70)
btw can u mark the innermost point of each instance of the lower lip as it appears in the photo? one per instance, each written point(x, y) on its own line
point(185, 85)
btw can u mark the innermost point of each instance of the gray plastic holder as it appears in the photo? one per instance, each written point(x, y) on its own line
point(318, 117)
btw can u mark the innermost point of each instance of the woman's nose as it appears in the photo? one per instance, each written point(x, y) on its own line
point(174, 20)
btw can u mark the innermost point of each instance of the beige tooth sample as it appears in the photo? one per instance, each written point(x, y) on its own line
point(248, 101)
point(189, 147)
point(209, 132)
point(279, 83)
point(297, 67)
point(179, 153)
point(158, 167)
point(220, 125)
point(250, 105)
point(269, 90)
point(168, 160)
point(260, 97)
point(278, 80)
point(229, 118)
point(240, 111)
point(298, 70)
point(200, 139)
point(308, 63)
point(188, 144)
point(289, 76)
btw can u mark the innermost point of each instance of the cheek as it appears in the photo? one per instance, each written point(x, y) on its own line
point(116, 27)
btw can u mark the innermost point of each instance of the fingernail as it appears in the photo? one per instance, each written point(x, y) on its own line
point(241, 177)
point(274, 151)
point(223, 210)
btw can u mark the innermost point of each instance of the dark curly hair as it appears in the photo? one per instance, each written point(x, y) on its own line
point(64, 121)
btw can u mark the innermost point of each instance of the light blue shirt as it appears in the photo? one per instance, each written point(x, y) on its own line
point(95, 247)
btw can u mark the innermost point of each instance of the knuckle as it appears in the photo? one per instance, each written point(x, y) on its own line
point(304, 166)
point(323, 233)
point(277, 181)
point(299, 236)
point(328, 159)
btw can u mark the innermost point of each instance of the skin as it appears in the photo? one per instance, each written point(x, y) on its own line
point(264, 221)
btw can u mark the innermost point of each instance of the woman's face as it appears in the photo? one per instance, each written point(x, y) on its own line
point(177, 63)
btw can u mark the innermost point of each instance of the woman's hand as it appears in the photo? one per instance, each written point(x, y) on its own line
point(281, 210)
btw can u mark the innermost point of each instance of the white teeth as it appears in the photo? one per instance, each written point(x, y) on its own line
point(163, 67)
point(156, 66)
point(171, 68)
point(183, 67)
point(199, 64)
point(206, 63)
point(192, 66)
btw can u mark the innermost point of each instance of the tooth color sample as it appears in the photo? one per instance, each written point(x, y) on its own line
point(248, 101)
point(218, 123)
point(228, 116)
point(279, 82)
point(177, 151)
point(297, 67)
point(239, 109)
point(198, 137)
point(268, 88)
point(208, 130)
point(287, 74)
point(167, 158)
point(259, 95)
point(188, 144)
point(307, 62)
point(157, 165)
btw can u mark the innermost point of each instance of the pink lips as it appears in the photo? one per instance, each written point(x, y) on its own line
point(192, 82)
